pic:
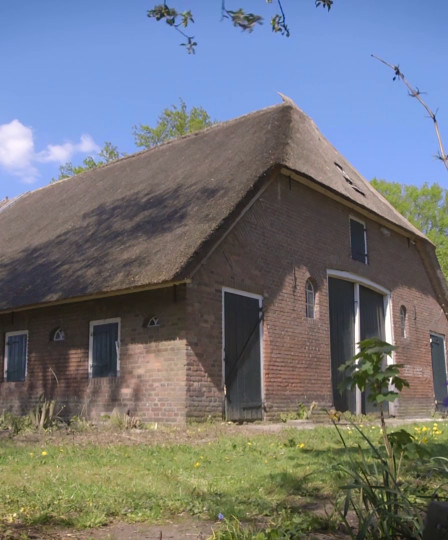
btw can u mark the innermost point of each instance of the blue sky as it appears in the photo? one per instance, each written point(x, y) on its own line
point(77, 74)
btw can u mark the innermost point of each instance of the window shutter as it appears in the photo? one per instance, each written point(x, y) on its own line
point(358, 241)
point(17, 353)
point(104, 350)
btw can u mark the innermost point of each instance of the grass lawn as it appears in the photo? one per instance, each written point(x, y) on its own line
point(85, 480)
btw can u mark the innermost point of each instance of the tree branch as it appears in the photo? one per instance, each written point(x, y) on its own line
point(415, 93)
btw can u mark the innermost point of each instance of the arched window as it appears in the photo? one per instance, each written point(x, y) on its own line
point(310, 299)
point(403, 321)
point(58, 335)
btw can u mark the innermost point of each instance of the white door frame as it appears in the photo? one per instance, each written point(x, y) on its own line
point(258, 297)
point(388, 325)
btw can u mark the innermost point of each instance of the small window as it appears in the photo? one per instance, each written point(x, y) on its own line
point(16, 355)
point(358, 241)
point(310, 299)
point(403, 321)
point(104, 348)
point(57, 335)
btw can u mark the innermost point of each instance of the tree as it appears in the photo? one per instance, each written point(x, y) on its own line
point(108, 153)
point(414, 92)
point(172, 123)
point(246, 21)
point(425, 207)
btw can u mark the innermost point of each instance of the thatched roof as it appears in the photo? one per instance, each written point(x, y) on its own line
point(143, 219)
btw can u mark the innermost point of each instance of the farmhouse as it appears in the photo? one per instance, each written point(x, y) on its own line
point(229, 272)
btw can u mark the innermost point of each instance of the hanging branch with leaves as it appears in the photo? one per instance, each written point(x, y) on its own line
point(239, 18)
point(414, 92)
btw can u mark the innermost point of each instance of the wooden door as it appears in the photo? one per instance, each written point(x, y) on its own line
point(372, 325)
point(439, 370)
point(342, 338)
point(242, 357)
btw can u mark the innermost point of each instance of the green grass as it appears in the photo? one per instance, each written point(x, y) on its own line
point(250, 477)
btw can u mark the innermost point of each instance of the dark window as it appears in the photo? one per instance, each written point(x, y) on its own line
point(57, 335)
point(403, 321)
point(358, 241)
point(15, 356)
point(104, 349)
point(310, 299)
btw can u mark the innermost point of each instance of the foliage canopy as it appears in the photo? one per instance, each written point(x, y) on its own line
point(173, 122)
point(425, 207)
point(246, 21)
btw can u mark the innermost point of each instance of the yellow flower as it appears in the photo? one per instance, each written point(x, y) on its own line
point(424, 428)
point(434, 428)
point(31, 454)
point(197, 464)
point(350, 431)
point(424, 440)
point(417, 429)
point(249, 443)
point(301, 445)
point(373, 427)
point(44, 453)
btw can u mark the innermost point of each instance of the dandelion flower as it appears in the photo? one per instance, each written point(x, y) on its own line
point(197, 464)
point(44, 453)
point(301, 445)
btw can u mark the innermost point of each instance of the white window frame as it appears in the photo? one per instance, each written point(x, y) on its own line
point(258, 297)
point(117, 344)
point(366, 250)
point(403, 327)
point(388, 324)
point(5, 367)
point(307, 305)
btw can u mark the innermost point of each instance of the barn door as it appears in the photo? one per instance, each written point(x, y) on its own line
point(342, 338)
point(439, 369)
point(372, 325)
point(242, 357)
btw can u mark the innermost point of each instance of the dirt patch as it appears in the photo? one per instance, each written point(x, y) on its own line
point(185, 529)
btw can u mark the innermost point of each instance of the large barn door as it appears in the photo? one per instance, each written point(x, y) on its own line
point(242, 357)
point(342, 338)
point(372, 325)
point(439, 369)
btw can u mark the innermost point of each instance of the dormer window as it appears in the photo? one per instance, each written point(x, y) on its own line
point(358, 240)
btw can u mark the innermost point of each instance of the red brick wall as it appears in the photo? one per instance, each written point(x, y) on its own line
point(290, 234)
point(151, 383)
point(174, 371)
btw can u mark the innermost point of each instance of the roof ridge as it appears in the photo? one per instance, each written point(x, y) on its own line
point(139, 153)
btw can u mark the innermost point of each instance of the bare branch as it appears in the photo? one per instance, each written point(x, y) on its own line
point(417, 94)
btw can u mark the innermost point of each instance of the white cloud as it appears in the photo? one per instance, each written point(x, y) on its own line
point(60, 153)
point(18, 154)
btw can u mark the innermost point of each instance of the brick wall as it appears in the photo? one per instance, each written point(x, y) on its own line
point(290, 234)
point(174, 371)
point(151, 383)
